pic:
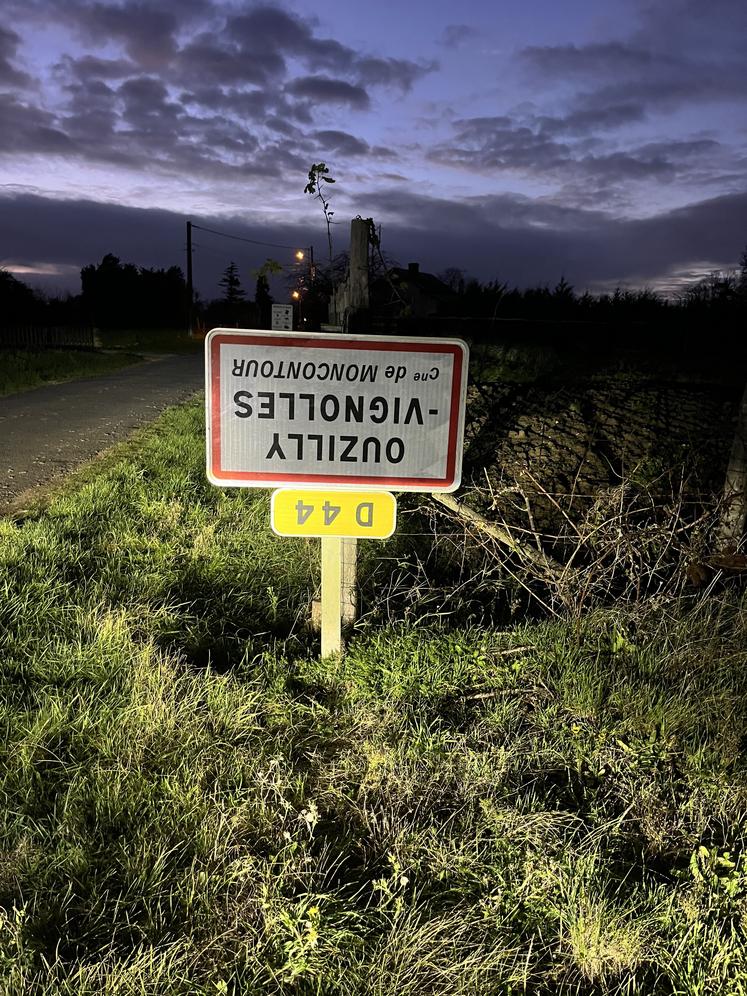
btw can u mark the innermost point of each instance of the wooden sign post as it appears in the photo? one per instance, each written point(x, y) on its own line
point(331, 595)
point(339, 599)
point(338, 517)
point(348, 418)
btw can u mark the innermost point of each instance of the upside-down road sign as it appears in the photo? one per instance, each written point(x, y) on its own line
point(336, 411)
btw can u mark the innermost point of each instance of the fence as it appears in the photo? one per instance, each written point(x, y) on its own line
point(52, 337)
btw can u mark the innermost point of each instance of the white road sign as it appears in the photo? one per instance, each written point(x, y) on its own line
point(288, 408)
point(282, 317)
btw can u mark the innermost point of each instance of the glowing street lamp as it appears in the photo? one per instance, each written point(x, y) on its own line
point(300, 255)
point(295, 295)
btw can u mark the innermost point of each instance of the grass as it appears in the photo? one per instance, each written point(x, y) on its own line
point(194, 804)
point(151, 340)
point(21, 370)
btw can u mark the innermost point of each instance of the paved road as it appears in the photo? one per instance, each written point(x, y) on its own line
point(48, 431)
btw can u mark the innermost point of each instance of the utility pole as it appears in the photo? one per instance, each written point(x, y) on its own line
point(190, 292)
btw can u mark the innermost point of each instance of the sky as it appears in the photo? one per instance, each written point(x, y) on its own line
point(518, 140)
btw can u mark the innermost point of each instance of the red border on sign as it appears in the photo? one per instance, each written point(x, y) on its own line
point(332, 343)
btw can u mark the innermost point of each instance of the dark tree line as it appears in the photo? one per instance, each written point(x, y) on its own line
point(718, 294)
point(113, 295)
point(122, 295)
point(20, 305)
point(118, 295)
point(703, 323)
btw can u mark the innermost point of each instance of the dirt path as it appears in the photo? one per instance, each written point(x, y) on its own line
point(47, 432)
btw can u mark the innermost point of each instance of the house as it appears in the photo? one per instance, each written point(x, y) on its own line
point(410, 292)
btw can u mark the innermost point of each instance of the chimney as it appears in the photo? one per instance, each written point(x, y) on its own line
point(413, 268)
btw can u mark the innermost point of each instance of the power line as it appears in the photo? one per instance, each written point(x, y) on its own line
point(212, 250)
point(240, 238)
point(221, 254)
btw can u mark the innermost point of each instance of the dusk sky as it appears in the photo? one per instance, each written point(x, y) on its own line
point(517, 139)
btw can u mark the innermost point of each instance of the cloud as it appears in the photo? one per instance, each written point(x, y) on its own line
point(92, 113)
point(586, 122)
point(146, 32)
point(567, 152)
point(608, 59)
point(714, 31)
point(29, 130)
point(221, 60)
point(399, 73)
point(329, 91)
point(498, 143)
point(90, 67)
point(687, 53)
point(342, 142)
point(9, 74)
point(145, 102)
point(526, 241)
point(521, 240)
point(192, 88)
point(454, 35)
point(147, 237)
point(270, 29)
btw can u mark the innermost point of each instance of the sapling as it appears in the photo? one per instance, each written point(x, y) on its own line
point(318, 174)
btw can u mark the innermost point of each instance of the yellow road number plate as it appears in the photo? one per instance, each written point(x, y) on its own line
point(371, 514)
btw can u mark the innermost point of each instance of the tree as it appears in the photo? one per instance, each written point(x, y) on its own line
point(263, 301)
point(162, 295)
point(742, 279)
point(18, 302)
point(122, 295)
point(233, 293)
point(262, 297)
point(454, 278)
point(110, 293)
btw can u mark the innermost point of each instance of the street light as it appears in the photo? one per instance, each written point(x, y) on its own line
point(308, 253)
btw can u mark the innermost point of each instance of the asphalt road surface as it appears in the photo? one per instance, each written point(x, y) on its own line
point(47, 432)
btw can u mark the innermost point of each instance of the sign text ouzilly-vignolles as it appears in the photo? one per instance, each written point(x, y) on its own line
point(348, 411)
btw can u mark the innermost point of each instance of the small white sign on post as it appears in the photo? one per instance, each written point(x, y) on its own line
point(351, 411)
point(282, 317)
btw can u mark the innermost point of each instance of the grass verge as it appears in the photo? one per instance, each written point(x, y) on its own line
point(21, 370)
point(151, 340)
point(193, 804)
